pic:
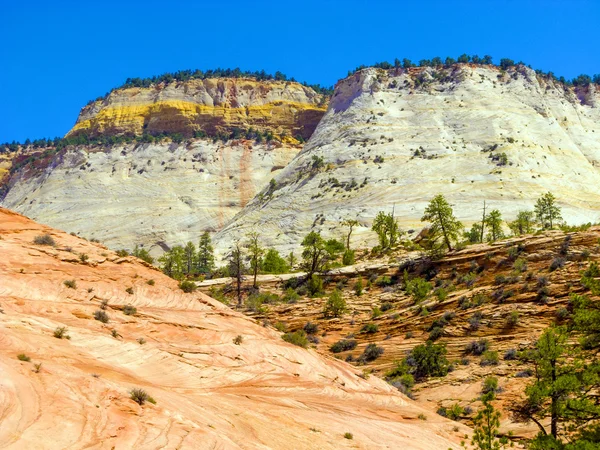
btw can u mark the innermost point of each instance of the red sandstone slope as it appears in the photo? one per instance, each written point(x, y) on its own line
point(210, 393)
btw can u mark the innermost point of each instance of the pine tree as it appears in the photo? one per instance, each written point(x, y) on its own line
point(486, 424)
point(444, 226)
point(523, 224)
point(314, 254)
point(546, 211)
point(189, 257)
point(387, 229)
point(237, 268)
point(205, 262)
point(494, 223)
point(255, 252)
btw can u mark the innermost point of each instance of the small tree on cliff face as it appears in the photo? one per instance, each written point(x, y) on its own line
point(546, 211)
point(189, 257)
point(486, 425)
point(386, 227)
point(494, 223)
point(350, 223)
point(445, 228)
point(314, 253)
point(237, 268)
point(205, 262)
point(255, 252)
point(523, 224)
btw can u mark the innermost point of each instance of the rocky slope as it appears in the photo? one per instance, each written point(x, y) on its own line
point(396, 138)
point(209, 392)
point(489, 282)
point(213, 105)
point(161, 194)
point(155, 195)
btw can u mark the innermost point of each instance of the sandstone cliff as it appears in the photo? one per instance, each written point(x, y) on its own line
point(213, 105)
point(209, 392)
point(398, 137)
point(154, 195)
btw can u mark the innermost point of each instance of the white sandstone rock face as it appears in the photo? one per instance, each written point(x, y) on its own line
point(394, 139)
point(154, 195)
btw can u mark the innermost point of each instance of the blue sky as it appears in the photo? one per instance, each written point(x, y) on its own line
point(55, 56)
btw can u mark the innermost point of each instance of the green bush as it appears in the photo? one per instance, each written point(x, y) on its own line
point(314, 286)
point(418, 288)
point(358, 287)
point(71, 284)
point(335, 305)
point(129, 290)
point(23, 357)
point(238, 339)
point(370, 328)
point(187, 286)
point(348, 257)
point(61, 332)
point(428, 360)
point(490, 358)
point(129, 310)
point(298, 338)
point(371, 353)
point(140, 396)
point(44, 239)
point(150, 282)
point(490, 384)
point(311, 328)
point(512, 320)
point(101, 316)
point(384, 281)
point(290, 296)
point(280, 326)
point(343, 345)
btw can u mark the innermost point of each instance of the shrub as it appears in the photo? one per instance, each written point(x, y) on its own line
point(499, 279)
point(524, 373)
point(61, 332)
point(187, 286)
point(370, 328)
point(37, 367)
point(418, 288)
point(314, 286)
point(384, 281)
point(140, 396)
point(371, 353)
point(311, 328)
point(335, 306)
point(520, 265)
point(376, 312)
point(475, 321)
point(238, 339)
point(348, 257)
point(280, 326)
point(562, 313)
point(44, 239)
point(427, 360)
point(114, 333)
point(150, 282)
point(542, 281)
point(358, 287)
point(510, 354)
point(557, 263)
point(513, 319)
point(441, 294)
point(490, 384)
point(103, 304)
point(141, 341)
point(129, 310)
point(101, 316)
point(129, 290)
point(71, 284)
point(435, 334)
point(297, 338)
point(386, 306)
point(348, 435)
point(489, 358)
point(343, 345)
point(23, 357)
point(122, 253)
point(455, 412)
point(477, 347)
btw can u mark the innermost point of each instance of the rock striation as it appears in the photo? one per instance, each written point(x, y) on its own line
point(392, 139)
point(212, 105)
point(208, 391)
point(154, 195)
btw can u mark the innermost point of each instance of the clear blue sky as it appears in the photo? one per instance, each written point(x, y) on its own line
point(55, 56)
